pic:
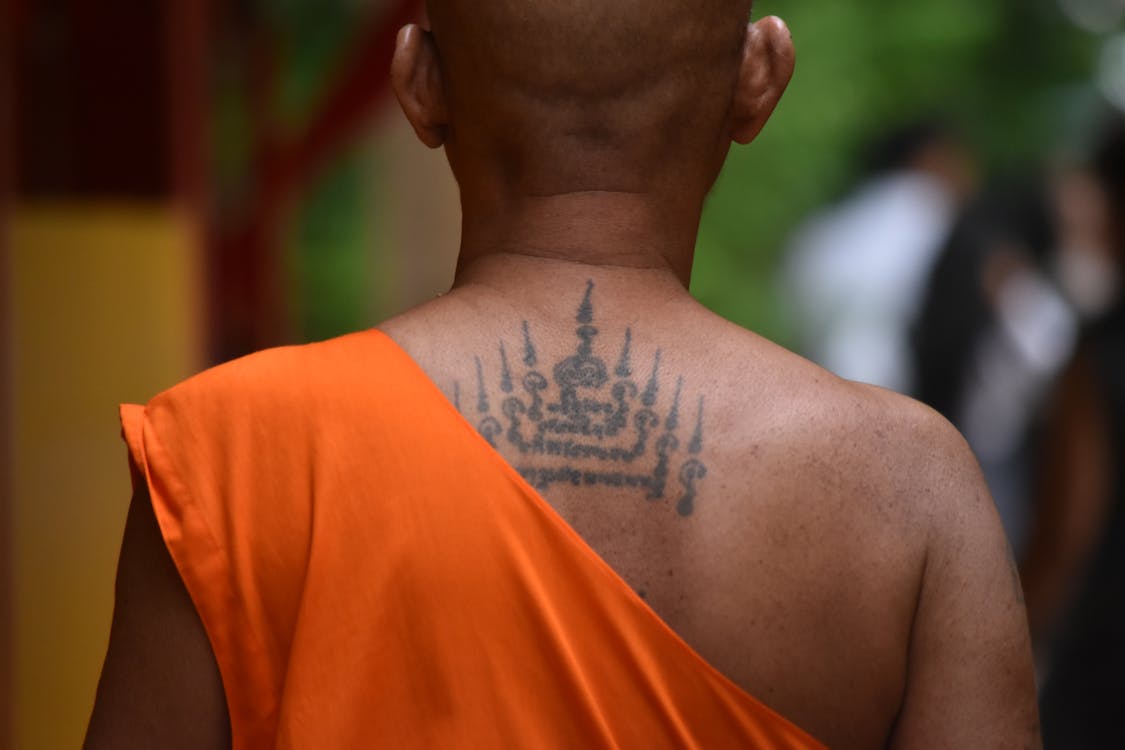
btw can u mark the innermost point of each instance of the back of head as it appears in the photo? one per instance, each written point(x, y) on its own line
point(571, 95)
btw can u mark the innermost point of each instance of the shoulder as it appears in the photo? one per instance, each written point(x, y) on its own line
point(266, 413)
point(969, 679)
point(876, 511)
point(854, 426)
point(285, 376)
point(861, 455)
point(924, 445)
point(926, 458)
point(285, 366)
point(912, 457)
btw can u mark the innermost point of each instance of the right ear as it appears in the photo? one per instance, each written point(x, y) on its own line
point(417, 82)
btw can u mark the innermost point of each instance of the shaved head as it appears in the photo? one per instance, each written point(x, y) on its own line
point(587, 48)
point(587, 87)
point(579, 95)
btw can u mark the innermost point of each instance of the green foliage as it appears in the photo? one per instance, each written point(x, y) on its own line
point(330, 251)
point(311, 38)
point(1000, 68)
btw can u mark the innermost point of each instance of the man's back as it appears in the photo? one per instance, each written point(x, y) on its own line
point(800, 515)
point(829, 547)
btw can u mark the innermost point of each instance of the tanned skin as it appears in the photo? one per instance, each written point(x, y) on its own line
point(839, 558)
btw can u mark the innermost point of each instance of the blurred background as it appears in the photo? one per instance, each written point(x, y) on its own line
point(935, 208)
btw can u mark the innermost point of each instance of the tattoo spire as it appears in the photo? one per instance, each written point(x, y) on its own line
point(482, 394)
point(624, 368)
point(649, 397)
point(506, 371)
point(530, 358)
point(586, 309)
point(696, 444)
point(673, 421)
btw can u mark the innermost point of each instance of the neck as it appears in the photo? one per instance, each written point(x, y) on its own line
point(613, 230)
point(544, 289)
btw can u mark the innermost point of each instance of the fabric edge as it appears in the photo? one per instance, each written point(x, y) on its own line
point(203, 567)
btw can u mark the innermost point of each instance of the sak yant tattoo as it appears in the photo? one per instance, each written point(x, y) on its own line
point(581, 423)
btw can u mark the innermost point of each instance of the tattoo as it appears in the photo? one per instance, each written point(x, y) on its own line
point(482, 393)
point(586, 425)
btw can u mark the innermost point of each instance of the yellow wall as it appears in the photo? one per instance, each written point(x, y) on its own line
point(106, 308)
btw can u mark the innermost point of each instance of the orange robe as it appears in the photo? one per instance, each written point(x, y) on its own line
point(371, 573)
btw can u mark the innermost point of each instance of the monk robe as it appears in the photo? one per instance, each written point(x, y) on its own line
point(371, 573)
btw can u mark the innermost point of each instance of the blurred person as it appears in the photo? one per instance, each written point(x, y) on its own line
point(1085, 264)
point(1075, 563)
point(993, 333)
point(855, 272)
point(562, 505)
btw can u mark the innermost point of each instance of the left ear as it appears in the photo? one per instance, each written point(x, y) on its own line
point(767, 64)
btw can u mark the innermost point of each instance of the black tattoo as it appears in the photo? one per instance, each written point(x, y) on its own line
point(529, 357)
point(624, 370)
point(586, 413)
point(506, 372)
point(482, 392)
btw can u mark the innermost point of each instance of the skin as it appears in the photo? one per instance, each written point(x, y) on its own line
point(845, 564)
point(160, 686)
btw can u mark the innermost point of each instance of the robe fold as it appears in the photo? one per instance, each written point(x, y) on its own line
point(371, 573)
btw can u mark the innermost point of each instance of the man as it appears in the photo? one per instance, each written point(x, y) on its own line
point(1075, 560)
point(856, 270)
point(369, 567)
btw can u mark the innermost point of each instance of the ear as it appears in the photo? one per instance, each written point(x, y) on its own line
point(767, 65)
point(417, 82)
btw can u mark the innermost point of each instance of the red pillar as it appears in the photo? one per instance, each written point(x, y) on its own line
point(248, 284)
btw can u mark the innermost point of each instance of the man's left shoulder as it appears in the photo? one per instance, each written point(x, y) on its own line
point(931, 464)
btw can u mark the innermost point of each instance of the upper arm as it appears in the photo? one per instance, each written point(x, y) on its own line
point(970, 679)
point(160, 685)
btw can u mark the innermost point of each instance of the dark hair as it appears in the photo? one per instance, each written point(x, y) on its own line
point(896, 148)
point(955, 310)
point(1109, 162)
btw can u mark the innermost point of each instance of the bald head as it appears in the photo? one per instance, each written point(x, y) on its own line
point(586, 49)
point(571, 95)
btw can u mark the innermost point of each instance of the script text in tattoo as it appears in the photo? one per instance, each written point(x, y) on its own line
point(584, 424)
